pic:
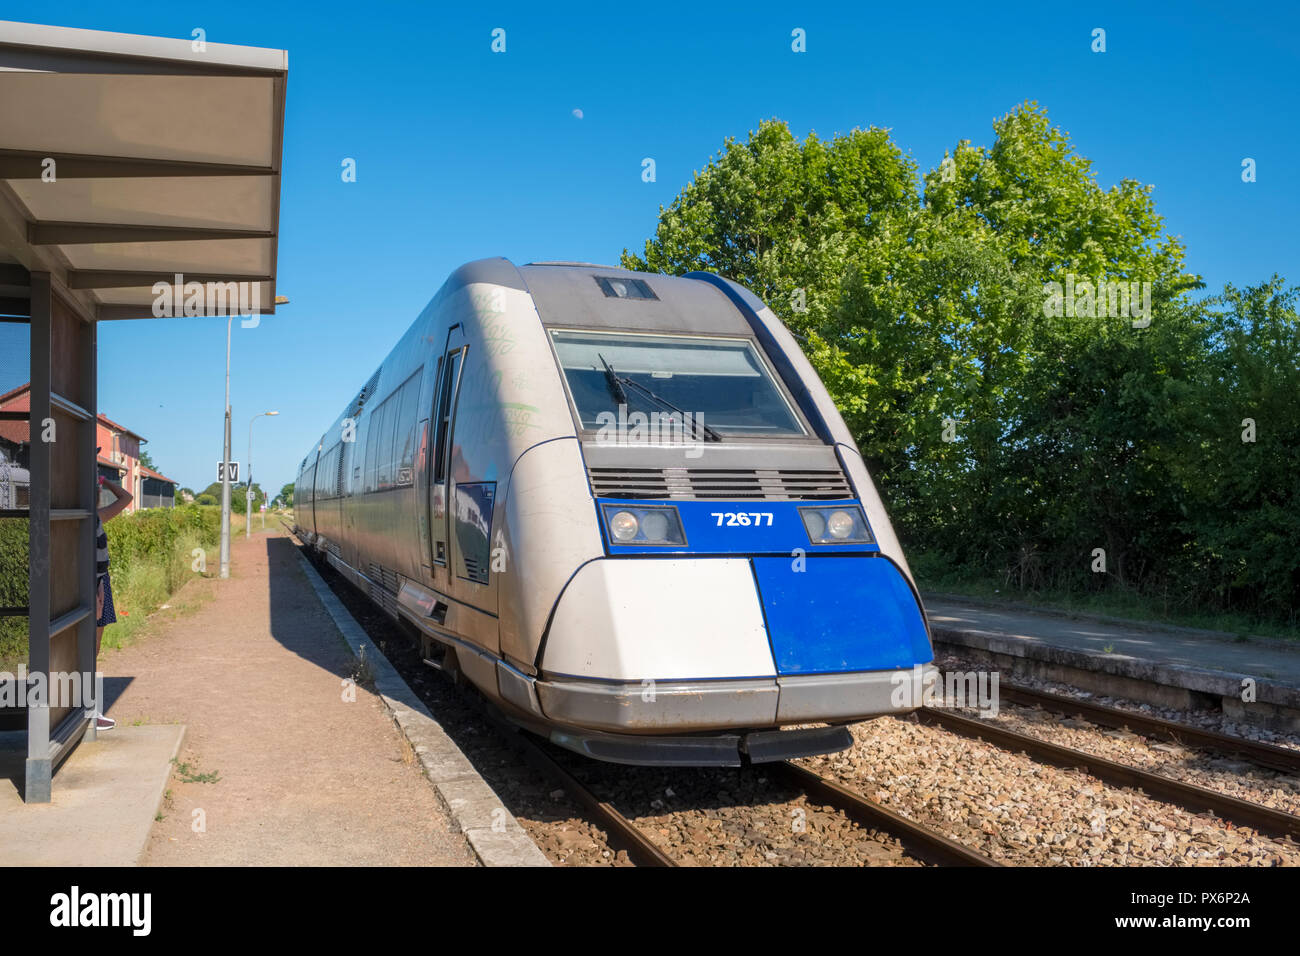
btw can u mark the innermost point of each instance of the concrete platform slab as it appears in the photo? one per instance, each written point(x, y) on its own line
point(105, 798)
point(1256, 680)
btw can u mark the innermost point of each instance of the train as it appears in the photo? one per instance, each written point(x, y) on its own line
point(624, 507)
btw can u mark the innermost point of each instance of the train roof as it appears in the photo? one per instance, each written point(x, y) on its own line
point(574, 295)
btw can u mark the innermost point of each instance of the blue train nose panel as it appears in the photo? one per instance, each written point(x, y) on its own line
point(840, 614)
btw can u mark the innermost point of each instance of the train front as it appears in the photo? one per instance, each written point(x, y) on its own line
point(750, 579)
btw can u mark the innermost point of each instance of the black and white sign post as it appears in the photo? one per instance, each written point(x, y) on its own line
point(227, 474)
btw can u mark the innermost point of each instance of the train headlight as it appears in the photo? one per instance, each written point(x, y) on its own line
point(842, 524)
point(644, 525)
point(624, 526)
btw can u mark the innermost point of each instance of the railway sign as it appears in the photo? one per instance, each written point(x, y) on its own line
point(234, 471)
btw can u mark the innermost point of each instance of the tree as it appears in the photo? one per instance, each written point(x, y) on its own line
point(778, 215)
point(1017, 354)
point(286, 494)
point(238, 491)
point(146, 459)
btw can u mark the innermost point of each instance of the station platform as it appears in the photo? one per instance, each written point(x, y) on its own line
point(1167, 666)
point(276, 765)
point(103, 809)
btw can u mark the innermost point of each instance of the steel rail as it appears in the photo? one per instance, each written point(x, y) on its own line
point(619, 829)
point(919, 840)
point(1265, 755)
point(1190, 796)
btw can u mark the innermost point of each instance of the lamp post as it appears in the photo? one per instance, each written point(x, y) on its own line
point(225, 469)
point(248, 495)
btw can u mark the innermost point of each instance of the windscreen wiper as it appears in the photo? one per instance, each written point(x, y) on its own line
point(615, 386)
point(709, 433)
point(616, 383)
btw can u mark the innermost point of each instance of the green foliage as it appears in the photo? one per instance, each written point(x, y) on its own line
point(1008, 438)
point(150, 557)
point(212, 495)
point(145, 536)
point(13, 591)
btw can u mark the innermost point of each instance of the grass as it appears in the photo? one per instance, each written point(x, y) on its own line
point(1110, 602)
point(189, 773)
point(143, 587)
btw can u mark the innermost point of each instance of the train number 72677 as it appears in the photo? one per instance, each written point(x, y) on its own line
point(734, 518)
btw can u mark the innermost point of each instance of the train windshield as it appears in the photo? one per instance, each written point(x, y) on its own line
point(722, 383)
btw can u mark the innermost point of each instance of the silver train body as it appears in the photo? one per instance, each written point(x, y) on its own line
point(625, 508)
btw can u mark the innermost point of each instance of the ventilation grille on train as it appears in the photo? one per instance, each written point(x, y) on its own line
point(383, 588)
point(769, 484)
point(363, 396)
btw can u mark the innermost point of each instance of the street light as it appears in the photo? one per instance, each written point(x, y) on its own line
point(225, 469)
point(248, 495)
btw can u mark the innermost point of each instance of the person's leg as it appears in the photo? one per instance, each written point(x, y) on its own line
point(102, 596)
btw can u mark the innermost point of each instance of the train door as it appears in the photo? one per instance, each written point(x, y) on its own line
point(311, 489)
point(307, 520)
point(443, 454)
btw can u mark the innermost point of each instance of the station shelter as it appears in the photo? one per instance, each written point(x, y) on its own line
point(134, 170)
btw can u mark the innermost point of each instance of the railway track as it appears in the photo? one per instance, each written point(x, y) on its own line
point(622, 833)
point(920, 841)
point(1189, 796)
point(1256, 752)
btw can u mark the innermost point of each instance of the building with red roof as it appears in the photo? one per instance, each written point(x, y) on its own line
point(119, 457)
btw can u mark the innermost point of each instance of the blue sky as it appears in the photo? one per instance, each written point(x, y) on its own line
point(463, 153)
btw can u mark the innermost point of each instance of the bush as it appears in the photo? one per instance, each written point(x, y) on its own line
point(13, 591)
point(151, 556)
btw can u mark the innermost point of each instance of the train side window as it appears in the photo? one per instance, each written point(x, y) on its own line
point(444, 414)
point(374, 448)
point(330, 478)
point(387, 473)
point(405, 443)
point(368, 463)
point(383, 444)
